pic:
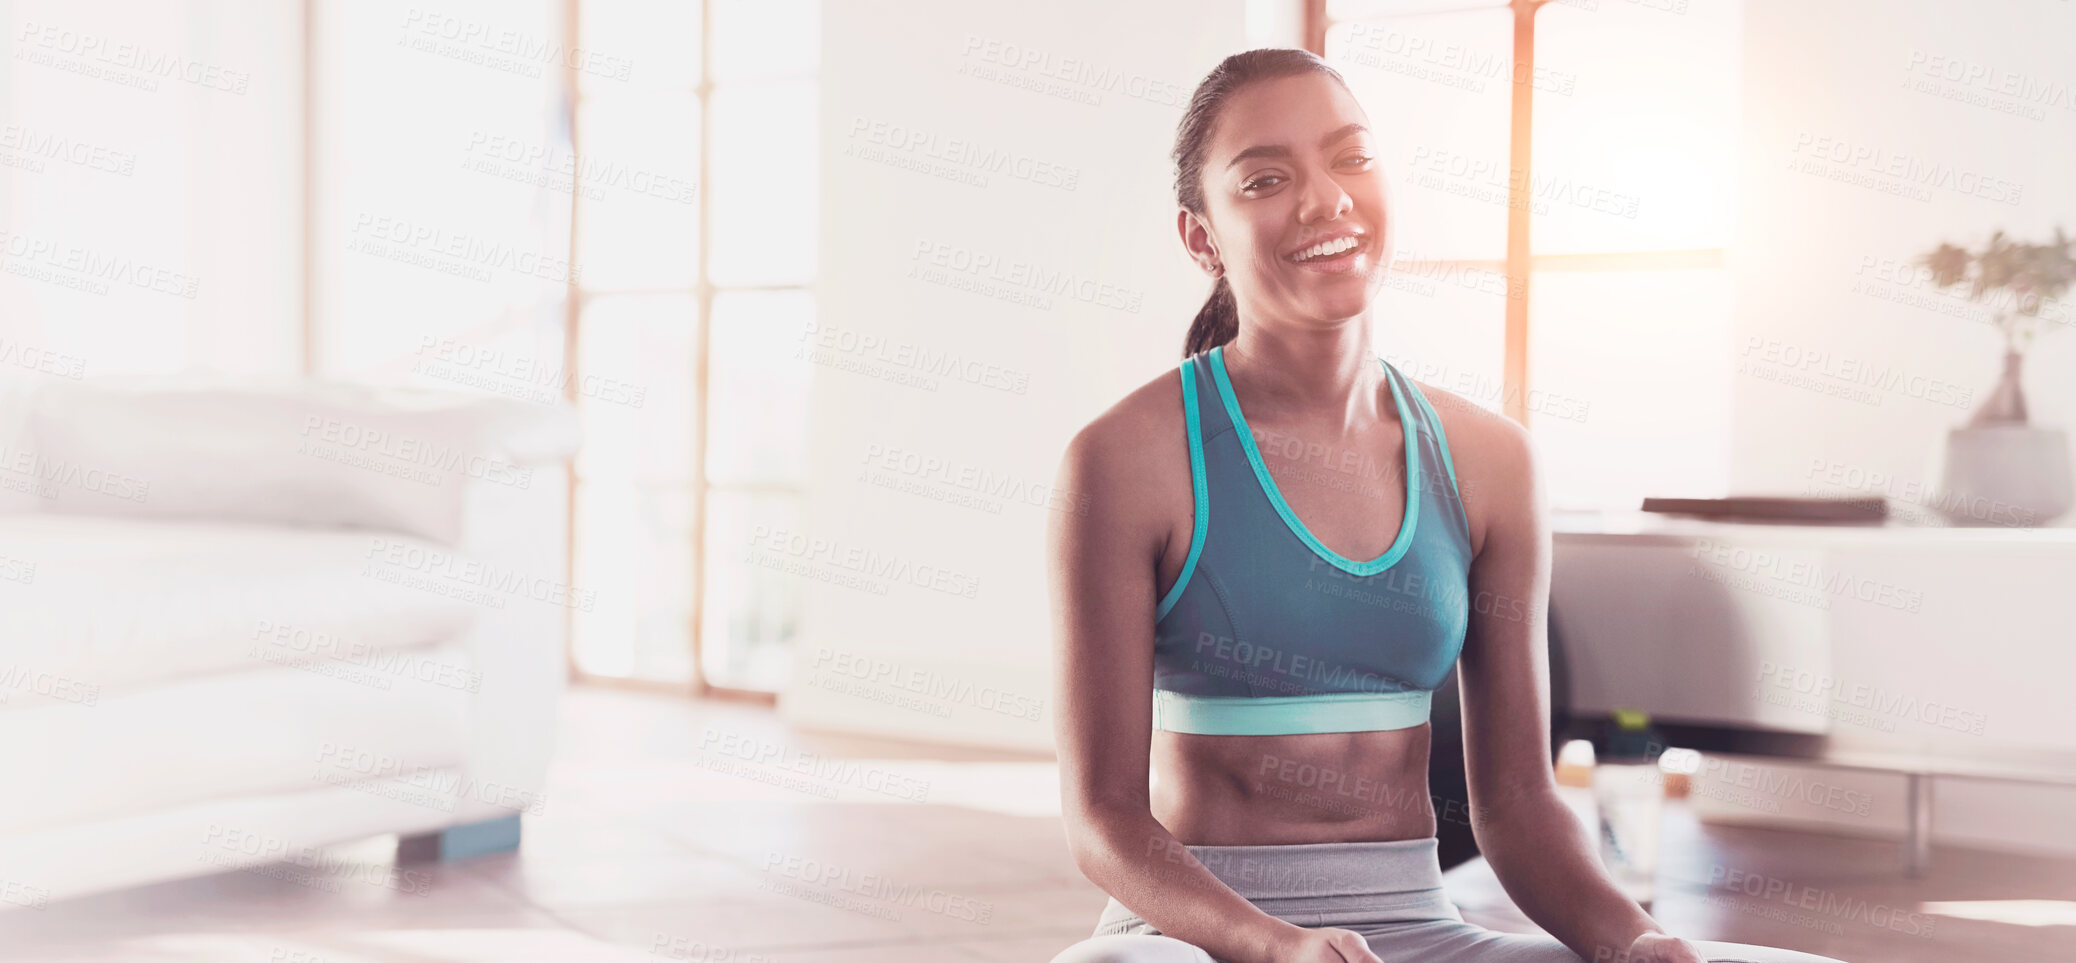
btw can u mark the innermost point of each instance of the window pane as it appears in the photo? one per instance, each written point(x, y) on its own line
point(753, 603)
point(1441, 122)
point(764, 184)
point(758, 393)
point(434, 218)
point(636, 44)
point(637, 206)
point(1444, 325)
point(636, 356)
point(634, 549)
point(1629, 384)
point(1636, 115)
point(762, 39)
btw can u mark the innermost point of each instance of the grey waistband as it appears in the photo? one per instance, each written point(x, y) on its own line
point(1326, 883)
point(1325, 869)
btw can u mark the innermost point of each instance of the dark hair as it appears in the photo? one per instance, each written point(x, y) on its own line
point(1218, 321)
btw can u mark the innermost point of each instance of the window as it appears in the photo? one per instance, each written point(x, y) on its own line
point(1588, 299)
point(695, 143)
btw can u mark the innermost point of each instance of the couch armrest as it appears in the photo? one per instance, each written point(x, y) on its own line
point(520, 641)
point(286, 451)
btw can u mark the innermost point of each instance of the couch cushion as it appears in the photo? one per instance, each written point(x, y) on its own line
point(96, 606)
point(233, 736)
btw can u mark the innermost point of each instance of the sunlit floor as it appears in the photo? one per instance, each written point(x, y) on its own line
point(711, 832)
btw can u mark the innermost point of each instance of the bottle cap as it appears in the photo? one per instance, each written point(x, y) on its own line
point(1630, 738)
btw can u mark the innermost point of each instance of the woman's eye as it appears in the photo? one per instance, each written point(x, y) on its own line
point(1259, 182)
point(1364, 158)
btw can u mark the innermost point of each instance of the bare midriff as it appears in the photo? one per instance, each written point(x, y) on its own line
point(1325, 787)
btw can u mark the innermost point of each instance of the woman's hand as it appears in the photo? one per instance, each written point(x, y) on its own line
point(1328, 945)
point(1661, 948)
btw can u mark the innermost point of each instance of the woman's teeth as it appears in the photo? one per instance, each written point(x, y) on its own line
point(1326, 249)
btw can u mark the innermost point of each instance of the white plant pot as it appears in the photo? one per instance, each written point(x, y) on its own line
point(2013, 476)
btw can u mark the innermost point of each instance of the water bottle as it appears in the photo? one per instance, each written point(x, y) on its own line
point(1630, 791)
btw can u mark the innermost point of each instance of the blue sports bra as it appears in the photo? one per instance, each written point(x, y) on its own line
point(1267, 631)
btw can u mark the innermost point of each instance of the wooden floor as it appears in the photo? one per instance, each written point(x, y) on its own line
point(658, 841)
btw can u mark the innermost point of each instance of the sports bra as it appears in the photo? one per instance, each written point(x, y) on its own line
point(1266, 631)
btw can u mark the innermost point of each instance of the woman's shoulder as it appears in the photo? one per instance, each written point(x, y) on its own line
point(1133, 437)
point(1493, 455)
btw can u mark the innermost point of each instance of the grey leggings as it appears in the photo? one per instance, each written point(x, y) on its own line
point(1390, 892)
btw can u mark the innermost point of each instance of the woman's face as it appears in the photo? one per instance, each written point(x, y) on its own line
point(1292, 163)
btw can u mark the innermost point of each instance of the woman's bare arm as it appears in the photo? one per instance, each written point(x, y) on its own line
point(1534, 844)
point(1101, 577)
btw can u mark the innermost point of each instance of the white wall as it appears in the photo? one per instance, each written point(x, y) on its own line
point(1097, 204)
point(1815, 263)
point(150, 185)
point(1810, 252)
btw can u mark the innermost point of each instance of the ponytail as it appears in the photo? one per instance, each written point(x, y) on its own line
point(1217, 322)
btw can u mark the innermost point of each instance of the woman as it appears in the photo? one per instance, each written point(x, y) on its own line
point(1291, 624)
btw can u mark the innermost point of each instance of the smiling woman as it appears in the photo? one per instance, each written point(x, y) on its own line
point(1270, 645)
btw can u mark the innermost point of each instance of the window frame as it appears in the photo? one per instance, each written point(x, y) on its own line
point(703, 291)
point(1520, 263)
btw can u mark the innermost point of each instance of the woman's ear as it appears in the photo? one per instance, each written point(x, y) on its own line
point(1197, 238)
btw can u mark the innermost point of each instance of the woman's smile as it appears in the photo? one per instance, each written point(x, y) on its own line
point(1344, 252)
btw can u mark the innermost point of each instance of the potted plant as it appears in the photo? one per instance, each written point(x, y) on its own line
point(2000, 469)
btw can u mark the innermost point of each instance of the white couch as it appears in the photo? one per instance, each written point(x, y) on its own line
point(240, 621)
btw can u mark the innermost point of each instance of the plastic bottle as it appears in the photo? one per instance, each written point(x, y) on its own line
point(1630, 793)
